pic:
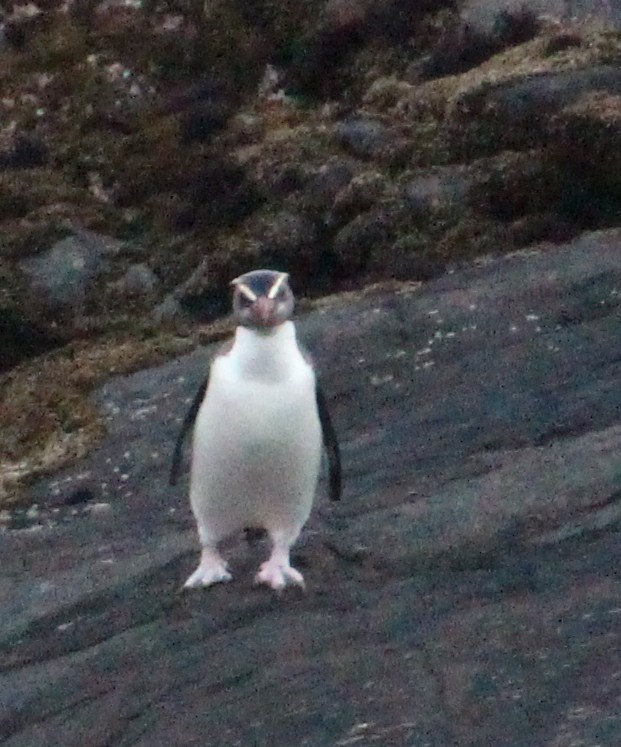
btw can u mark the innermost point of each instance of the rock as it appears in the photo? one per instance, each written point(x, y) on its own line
point(445, 189)
point(483, 14)
point(139, 280)
point(279, 182)
point(467, 45)
point(203, 120)
point(370, 232)
point(21, 338)
point(365, 138)
point(520, 102)
point(594, 119)
point(61, 277)
point(203, 296)
point(465, 591)
point(517, 113)
point(222, 193)
point(168, 310)
point(358, 196)
point(287, 238)
point(331, 178)
point(28, 151)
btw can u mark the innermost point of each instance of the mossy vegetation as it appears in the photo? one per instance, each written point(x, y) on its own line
point(46, 415)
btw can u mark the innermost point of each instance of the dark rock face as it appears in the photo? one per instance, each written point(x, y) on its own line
point(466, 591)
point(517, 113)
point(363, 137)
point(61, 276)
point(26, 152)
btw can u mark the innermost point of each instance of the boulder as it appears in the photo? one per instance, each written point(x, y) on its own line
point(62, 276)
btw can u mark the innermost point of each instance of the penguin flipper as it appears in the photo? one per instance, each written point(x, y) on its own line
point(331, 444)
point(187, 424)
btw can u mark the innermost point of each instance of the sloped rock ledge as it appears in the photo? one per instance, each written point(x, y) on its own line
point(466, 591)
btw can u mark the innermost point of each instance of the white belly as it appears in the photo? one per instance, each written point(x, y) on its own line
point(256, 455)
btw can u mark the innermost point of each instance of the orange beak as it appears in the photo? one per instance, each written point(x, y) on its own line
point(263, 311)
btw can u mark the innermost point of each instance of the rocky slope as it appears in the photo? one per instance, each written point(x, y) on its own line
point(150, 152)
point(411, 157)
point(465, 592)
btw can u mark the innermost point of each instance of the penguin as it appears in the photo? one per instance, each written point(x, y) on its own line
point(260, 419)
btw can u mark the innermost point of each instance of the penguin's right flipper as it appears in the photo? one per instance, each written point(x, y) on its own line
point(187, 424)
point(331, 444)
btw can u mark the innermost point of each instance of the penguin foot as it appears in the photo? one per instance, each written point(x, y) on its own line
point(207, 574)
point(277, 576)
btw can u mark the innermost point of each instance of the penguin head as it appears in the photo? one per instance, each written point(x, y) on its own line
point(262, 299)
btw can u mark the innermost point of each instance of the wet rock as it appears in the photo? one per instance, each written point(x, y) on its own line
point(465, 592)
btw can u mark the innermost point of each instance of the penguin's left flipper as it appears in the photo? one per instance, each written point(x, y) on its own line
point(187, 424)
point(331, 444)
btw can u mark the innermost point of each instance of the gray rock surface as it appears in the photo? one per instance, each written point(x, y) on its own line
point(61, 276)
point(363, 137)
point(482, 14)
point(467, 590)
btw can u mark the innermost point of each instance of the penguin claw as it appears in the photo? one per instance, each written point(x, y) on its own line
point(278, 576)
point(207, 575)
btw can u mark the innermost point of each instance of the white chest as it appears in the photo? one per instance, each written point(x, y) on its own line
point(261, 395)
point(257, 441)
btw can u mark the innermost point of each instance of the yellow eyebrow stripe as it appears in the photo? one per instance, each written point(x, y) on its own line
point(276, 287)
point(251, 295)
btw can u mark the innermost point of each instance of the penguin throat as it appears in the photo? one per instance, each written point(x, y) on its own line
point(268, 355)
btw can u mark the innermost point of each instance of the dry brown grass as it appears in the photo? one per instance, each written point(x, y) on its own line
point(47, 416)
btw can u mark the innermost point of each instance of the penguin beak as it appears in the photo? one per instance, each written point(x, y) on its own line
point(263, 311)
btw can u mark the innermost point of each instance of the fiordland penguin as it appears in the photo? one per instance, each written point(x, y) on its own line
point(261, 419)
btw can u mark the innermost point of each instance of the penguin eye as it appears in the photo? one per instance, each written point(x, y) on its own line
point(281, 295)
point(245, 301)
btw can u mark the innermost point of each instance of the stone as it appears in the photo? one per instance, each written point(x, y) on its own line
point(442, 189)
point(139, 280)
point(370, 232)
point(465, 591)
point(26, 152)
point(62, 276)
point(363, 137)
point(168, 310)
point(483, 14)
